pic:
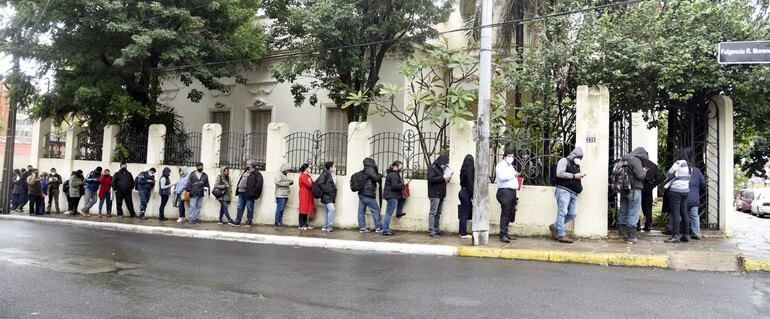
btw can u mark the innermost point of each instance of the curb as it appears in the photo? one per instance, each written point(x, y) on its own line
point(754, 264)
point(556, 256)
point(603, 259)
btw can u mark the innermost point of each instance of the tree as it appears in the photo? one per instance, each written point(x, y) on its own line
point(311, 25)
point(109, 58)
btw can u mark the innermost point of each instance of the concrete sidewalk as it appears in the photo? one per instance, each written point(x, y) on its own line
point(709, 254)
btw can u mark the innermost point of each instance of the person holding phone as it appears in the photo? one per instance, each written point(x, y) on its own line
point(393, 195)
point(568, 186)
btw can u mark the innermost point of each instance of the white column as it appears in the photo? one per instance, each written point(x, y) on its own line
point(724, 107)
point(210, 144)
point(358, 146)
point(109, 141)
point(592, 134)
point(462, 144)
point(276, 146)
point(39, 131)
point(156, 135)
point(71, 147)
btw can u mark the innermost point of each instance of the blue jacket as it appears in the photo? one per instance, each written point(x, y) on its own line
point(697, 182)
point(92, 182)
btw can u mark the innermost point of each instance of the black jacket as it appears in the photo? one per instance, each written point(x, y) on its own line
point(467, 174)
point(326, 182)
point(23, 181)
point(254, 184)
point(394, 186)
point(436, 182)
point(195, 185)
point(651, 180)
point(372, 179)
point(123, 181)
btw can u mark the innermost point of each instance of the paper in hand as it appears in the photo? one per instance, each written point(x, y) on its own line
point(448, 171)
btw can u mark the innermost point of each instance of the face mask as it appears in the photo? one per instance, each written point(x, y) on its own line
point(509, 160)
point(200, 170)
point(576, 161)
point(122, 168)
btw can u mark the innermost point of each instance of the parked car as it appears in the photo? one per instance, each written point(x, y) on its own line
point(744, 200)
point(760, 206)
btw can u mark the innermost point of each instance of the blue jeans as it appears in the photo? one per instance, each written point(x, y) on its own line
point(280, 205)
point(694, 220)
point(329, 222)
point(196, 203)
point(396, 204)
point(363, 203)
point(144, 198)
point(179, 203)
point(15, 199)
point(162, 208)
point(630, 207)
point(109, 204)
point(249, 204)
point(224, 211)
point(567, 207)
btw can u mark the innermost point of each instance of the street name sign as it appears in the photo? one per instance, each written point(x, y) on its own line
point(744, 52)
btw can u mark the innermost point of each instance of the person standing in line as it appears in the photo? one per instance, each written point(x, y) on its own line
point(631, 200)
point(53, 182)
point(76, 185)
point(104, 192)
point(650, 182)
point(16, 190)
point(44, 193)
point(367, 197)
point(282, 190)
point(145, 186)
point(179, 188)
point(506, 179)
point(328, 194)
point(568, 187)
point(92, 189)
point(24, 191)
point(198, 187)
point(249, 190)
point(393, 193)
point(34, 191)
point(123, 185)
point(438, 177)
point(465, 209)
point(306, 201)
point(222, 186)
point(697, 183)
point(164, 190)
point(680, 173)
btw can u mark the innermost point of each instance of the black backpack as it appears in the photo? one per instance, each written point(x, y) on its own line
point(66, 186)
point(621, 177)
point(357, 181)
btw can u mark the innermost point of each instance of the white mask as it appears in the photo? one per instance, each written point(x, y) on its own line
point(576, 161)
point(509, 160)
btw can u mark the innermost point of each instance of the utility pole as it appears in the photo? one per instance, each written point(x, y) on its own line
point(10, 140)
point(481, 181)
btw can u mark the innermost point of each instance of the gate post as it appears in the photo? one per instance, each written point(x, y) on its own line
point(592, 117)
point(40, 130)
point(156, 144)
point(276, 146)
point(109, 141)
point(724, 118)
point(210, 144)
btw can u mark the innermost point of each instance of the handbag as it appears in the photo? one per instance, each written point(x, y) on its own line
point(218, 193)
point(405, 192)
point(185, 196)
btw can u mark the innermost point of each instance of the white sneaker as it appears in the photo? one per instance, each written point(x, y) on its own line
point(179, 220)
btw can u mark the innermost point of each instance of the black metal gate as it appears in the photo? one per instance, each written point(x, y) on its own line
point(316, 148)
point(387, 147)
point(235, 148)
point(182, 148)
point(90, 145)
point(699, 133)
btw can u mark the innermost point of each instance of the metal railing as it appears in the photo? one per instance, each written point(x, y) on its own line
point(132, 148)
point(54, 146)
point(316, 148)
point(388, 147)
point(235, 148)
point(182, 149)
point(90, 145)
point(534, 157)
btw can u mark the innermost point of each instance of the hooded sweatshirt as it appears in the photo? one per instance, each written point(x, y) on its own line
point(164, 187)
point(635, 167)
point(282, 182)
point(566, 170)
point(467, 173)
point(182, 182)
point(223, 182)
point(372, 178)
point(436, 181)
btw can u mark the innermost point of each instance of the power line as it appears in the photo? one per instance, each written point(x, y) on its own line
point(353, 46)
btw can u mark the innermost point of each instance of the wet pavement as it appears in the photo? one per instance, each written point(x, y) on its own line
point(57, 271)
point(752, 235)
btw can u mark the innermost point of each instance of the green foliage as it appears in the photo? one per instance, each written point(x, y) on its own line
point(753, 157)
point(106, 56)
point(301, 25)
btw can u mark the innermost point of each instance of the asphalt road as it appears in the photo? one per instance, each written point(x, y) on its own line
point(50, 271)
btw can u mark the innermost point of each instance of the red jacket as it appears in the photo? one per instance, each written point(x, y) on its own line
point(104, 185)
point(306, 201)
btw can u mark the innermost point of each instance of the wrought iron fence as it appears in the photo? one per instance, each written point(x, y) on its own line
point(388, 147)
point(182, 148)
point(235, 148)
point(54, 146)
point(132, 148)
point(316, 148)
point(534, 157)
point(90, 145)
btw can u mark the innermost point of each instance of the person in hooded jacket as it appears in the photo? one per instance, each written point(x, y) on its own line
point(24, 188)
point(179, 188)
point(54, 180)
point(631, 201)
point(568, 186)
point(164, 190)
point(306, 201)
point(438, 177)
point(105, 196)
point(680, 173)
point(34, 191)
point(223, 183)
point(92, 189)
point(248, 189)
point(393, 193)
point(282, 190)
point(367, 197)
point(44, 191)
point(465, 209)
point(328, 194)
point(16, 190)
point(76, 183)
point(650, 182)
point(147, 183)
point(123, 185)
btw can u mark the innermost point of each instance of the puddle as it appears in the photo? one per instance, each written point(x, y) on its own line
point(67, 264)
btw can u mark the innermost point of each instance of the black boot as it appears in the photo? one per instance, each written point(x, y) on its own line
point(622, 232)
point(505, 238)
point(631, 235)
